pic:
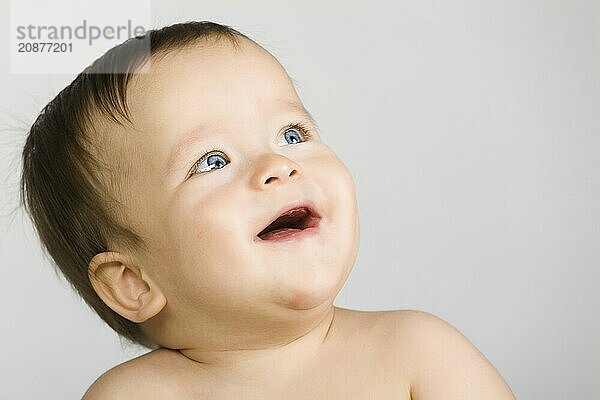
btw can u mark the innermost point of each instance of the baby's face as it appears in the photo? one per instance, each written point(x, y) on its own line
point(202, 214)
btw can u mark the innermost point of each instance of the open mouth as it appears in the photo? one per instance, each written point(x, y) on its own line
point(290, 222)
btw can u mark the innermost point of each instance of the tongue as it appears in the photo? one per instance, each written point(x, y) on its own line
point(279, 233)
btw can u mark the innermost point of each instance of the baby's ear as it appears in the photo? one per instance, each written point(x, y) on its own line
point(124, 288)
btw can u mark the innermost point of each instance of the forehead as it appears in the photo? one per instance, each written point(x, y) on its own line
point(213, 80)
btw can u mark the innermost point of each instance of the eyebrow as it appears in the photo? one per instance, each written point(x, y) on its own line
point(196, 135)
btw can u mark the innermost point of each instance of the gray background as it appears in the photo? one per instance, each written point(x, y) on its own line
point(472, 131)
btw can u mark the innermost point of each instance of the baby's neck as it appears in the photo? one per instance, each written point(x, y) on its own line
point(254, 365)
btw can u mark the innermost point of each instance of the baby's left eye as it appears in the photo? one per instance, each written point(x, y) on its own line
point(294, 133)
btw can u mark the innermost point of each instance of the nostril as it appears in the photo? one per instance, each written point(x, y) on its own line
point(294, 172)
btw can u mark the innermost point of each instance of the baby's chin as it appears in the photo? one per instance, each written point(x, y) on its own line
point(311, 295)
point(302, 300)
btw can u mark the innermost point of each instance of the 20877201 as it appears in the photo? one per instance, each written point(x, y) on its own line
point(44, 47)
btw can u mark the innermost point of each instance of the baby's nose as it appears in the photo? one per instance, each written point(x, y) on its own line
point(274, 169)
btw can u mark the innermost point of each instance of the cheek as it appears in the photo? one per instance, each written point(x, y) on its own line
point(340, 193)
point(220, 229)
point(210, 254)
point(342, 201)
point(201, 228)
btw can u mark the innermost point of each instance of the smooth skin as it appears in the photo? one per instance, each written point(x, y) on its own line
point(234, 314)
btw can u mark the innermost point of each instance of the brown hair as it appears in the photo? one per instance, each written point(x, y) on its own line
point(66, 190)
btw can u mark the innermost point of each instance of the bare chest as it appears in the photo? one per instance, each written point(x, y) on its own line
point(364, 365)
point(351, 379)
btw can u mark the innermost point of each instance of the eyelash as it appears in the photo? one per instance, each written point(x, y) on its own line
point(299, 126)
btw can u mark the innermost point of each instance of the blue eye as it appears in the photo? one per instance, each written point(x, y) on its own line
point(295, 133)
point(216, 159)
point(210, 161)
point(292, 136)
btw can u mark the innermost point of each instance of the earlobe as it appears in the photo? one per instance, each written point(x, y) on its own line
point(124, 287)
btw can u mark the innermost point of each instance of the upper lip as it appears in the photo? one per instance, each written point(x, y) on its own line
point(302, 203)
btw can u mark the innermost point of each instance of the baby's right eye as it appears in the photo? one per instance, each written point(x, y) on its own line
point(208, 162)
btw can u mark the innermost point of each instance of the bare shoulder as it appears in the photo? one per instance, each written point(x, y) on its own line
point(144, 377)
point(443, 362)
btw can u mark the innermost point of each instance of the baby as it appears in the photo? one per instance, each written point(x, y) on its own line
point(193, 205)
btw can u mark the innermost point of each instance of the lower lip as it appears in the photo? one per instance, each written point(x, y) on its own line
point(289, 235)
